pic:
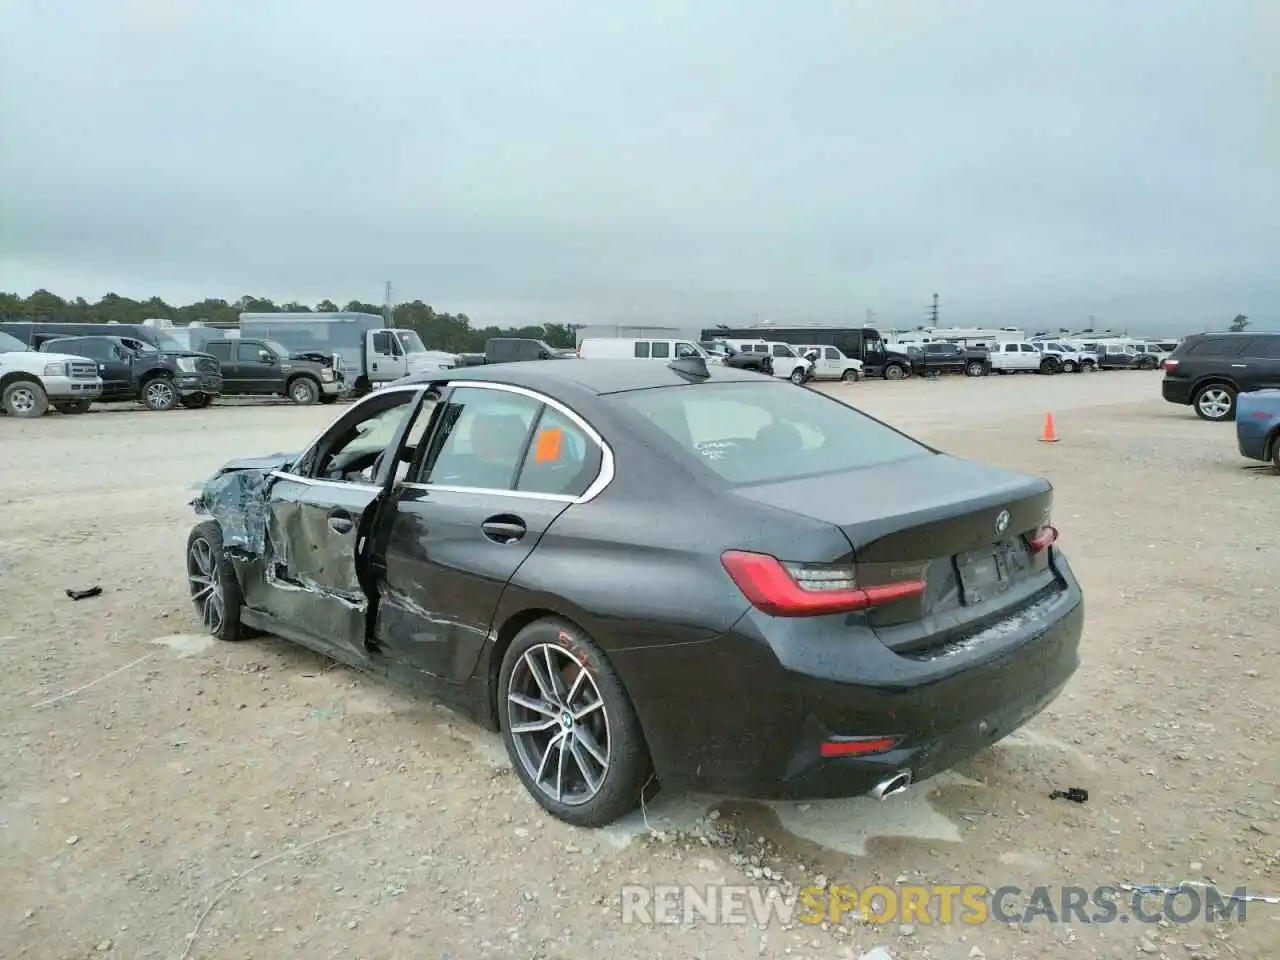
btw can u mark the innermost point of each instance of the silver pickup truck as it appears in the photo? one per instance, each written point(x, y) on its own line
point(32, 382)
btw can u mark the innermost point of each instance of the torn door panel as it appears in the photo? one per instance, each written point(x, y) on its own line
point(236, 497)
point(321, 559)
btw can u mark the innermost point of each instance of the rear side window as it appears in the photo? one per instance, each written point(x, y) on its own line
point(1267, 348)
point(660, 349)
point(832, 353)
point(561, 458)
point(642, 349)
point(749, 433)
point(1215, 347)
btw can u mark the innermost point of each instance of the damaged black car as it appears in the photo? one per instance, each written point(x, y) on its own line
point(644, 574)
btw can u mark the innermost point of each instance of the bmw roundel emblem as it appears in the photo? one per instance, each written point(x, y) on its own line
point(1002, 522)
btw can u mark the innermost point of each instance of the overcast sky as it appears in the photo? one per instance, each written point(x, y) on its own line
point(1033, 163)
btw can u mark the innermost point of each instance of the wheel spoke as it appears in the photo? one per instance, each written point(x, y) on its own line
point(537, 706)
point(592, 781)
point(534, 726)
point(543, 683)
point(575, 687)
point(553, 675)
point(589, 708)
point(560, 768)
point(584, 736)
point(552, 744)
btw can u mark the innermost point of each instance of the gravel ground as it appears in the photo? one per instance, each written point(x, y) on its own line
point(165, 796)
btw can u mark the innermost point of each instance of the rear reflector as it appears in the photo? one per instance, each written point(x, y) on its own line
point(1045, 538)
point(857, 746)
point(808, 590)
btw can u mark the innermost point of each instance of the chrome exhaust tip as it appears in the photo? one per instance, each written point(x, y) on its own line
point(894, 785)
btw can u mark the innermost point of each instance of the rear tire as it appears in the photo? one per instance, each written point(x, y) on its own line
point(556, 707)
point(212, 583)
point(25, 398)
point(1215, 402)
point(72, 408)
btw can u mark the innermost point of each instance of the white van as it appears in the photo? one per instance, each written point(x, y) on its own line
point(629, 348)
point(787, 363)
point(831, 363)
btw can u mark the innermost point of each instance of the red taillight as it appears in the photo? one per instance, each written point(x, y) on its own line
point(857, 746)
point(1045, 538)
point(806, 591)
point(1170, 364)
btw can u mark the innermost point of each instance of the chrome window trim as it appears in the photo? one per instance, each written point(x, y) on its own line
point(597, 486)
point(285, 474)
point(603, 478)
point(312, 482)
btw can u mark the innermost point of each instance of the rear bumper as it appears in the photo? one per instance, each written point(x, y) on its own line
point(190, 384)
point(1176, 391)
point(780, 691)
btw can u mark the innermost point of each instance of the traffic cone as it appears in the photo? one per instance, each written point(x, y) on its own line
point(1050, 434)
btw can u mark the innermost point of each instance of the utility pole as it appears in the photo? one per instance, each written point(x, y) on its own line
point(387, 309)
point(933, 312)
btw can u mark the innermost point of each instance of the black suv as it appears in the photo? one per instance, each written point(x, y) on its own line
point(134, 370)
point(263, 368)
point(1208, 370)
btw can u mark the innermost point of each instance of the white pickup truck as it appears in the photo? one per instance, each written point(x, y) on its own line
point(31, 382)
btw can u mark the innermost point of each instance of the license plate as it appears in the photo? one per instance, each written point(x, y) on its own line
point(989, 572)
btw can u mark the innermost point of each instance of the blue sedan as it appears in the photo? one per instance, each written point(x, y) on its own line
point(1258, 425)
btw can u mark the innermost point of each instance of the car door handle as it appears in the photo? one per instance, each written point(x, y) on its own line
point(1239, 364)
point(504, 528)
point(340, 521)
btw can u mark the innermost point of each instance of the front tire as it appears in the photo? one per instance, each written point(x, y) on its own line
point(197, 401)
point(304, 391)
point(159, 395)
point(25, 398)
point(797, 376)
point(1069, 366)
point(975, 368)
point(849, 376)
point(1215, 402)
point(1047, 367)
point(569, 726)
point(212, 583)
point(895, 371)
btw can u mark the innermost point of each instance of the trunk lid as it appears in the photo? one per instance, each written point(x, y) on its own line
point(965, 528)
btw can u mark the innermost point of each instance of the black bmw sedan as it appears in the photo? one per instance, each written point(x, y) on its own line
point(683, 574)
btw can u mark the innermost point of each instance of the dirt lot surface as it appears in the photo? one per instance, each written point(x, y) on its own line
point(165, 796)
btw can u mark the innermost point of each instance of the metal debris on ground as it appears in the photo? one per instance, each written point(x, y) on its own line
point(84, 594)
point(1074, 794)
point(1161, 889)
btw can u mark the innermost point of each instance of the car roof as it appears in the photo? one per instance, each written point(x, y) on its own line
point(593, 376)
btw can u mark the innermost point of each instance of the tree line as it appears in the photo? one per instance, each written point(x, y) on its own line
point(439, 331)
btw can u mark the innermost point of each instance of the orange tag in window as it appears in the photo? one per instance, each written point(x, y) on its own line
point(547, 448)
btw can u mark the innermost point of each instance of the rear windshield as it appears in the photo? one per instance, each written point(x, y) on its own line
point(749, 433)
